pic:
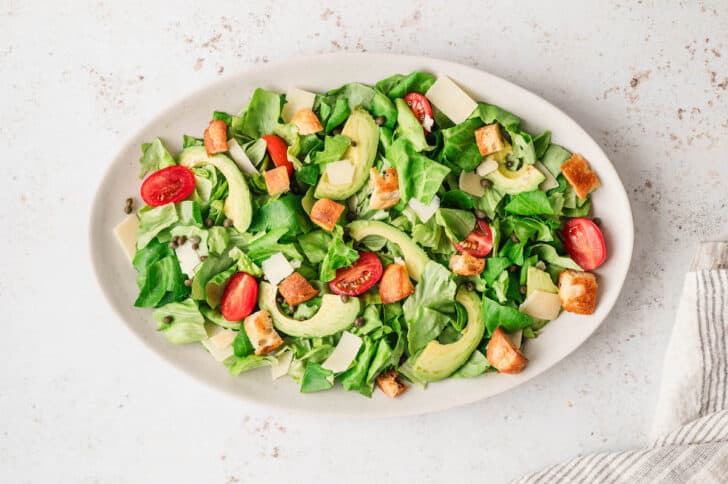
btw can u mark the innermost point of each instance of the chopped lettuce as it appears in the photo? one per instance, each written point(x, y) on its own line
point(419, 176)
point(154, 157)
point(181, 322)
point(261, 115)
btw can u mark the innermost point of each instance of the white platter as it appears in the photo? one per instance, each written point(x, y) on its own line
point(191, 115)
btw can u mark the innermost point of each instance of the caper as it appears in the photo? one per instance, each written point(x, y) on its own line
point(479, 213)
point(129, 202)
point(470, 286)
point(127, 209)
point(172, 244)
point(208, 222)
point(353, 143)
point(514, 238)
point(597, 221)
point(227, 223)
point(279, 299)
point(203, 258)
point(188, 282)
point(167, 319)
point(380, 120)
point(359, 322)
point(195, 239)
point(509, 164)
point(485, 183)
point(195, 246)
point(181, 240)
point(512, 268)
point(336, 131)
point(522, 289)
point(344, 298)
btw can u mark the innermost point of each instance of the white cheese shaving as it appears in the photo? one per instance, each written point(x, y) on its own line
point(282, 364)
point(344, 353)
point(340, 172)
point(541, 305)
point(188, 258)
point(428, 122)
point(399, 260)
point(486, 167)
point(126, 235)
point(424, 212)
point(449, 98)
point(237, 153)
point(219, 342)
point(516, 338)
point(276, 268)
point(470, 183)
point(296, 99)
point(550, 182)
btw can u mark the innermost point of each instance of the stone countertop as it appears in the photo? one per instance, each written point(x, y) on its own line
point(84, 402)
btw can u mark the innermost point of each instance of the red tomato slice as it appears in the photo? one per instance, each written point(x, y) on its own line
point(358, 278)
point(168, 185)
point(585, 243)
point(478, 243)
point(420, 106)
point(240, 297)
point(278, 151)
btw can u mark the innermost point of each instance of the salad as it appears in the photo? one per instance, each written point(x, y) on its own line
point(375, 236)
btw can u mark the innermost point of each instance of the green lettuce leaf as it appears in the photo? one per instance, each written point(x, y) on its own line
point(154, 157)
point(338, 255)
point(243, 263)
point(398, 85)
point(530, 203)
point(458, 145)
point(457, 223)
point(476, 365)
point(261, 115)
point(334, 149)
point(493, 268)
point(286, 213)
point(419, 176)
point(237, 365)
point(409, 128)
point(541, 144)
point(152, 221)
point(218, 239)
point(265, 245)
point(316, 378)
point(355, 377)
point(510, 319)
point(187, 325)
point(161, 282)
point(549, 255)
point(554, 157)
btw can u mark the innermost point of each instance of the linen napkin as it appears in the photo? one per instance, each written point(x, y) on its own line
point(690, 430)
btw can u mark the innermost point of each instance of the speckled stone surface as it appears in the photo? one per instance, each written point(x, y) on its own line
point(83, 401)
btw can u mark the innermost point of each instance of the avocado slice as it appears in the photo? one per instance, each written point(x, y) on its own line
point(333, 316)
point(438, 361)
point(527, 179)
point(415, 258)
point(538, 280)
point(363, 132)
point(238, 205)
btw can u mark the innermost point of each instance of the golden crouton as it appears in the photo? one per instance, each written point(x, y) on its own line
point(307, 122)
point(395, 284)
point(277, 181)
point(325, 213)
point(259, 328)
point(578, 291)
point(503, 354)
point(466, 265)
point(385, 189)
point(295, 289)
point(489, 139)
point(215, 137)
point(578, 173)
point(390, 384)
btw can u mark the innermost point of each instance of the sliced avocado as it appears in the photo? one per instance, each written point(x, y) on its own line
point(502, 155)
point(538, 280)
point(527, 179)
point(438, 361)
point(415, 258)
point(307, 201)
point(238, 206)
point(333, 316)
point(363, 132)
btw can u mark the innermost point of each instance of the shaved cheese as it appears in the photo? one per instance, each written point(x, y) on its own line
point(470, 183)
point(188, 258)
point(237, 153)
point(451, 100)
point(398, 260)
point(516, 338)
point(296, 99)
point(126, 235)
point(541, 305)
point(276, 268)
point(344, 353)
point(425, 212)
point(550, 182)
point(340, 172)
point(282, 364)
point(428, 122)
point(486, 167)
point(219, 342)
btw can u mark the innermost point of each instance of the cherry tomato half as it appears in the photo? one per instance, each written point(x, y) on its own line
point(278, 152)
point(358, 278)
point(585, 243)
point(168, 185)
point(420, 106)
point(479, 242)
point(240, 297)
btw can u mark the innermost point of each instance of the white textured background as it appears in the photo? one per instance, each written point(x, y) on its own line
point(82, 401)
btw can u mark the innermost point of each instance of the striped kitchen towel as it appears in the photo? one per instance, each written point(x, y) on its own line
point(690, 430)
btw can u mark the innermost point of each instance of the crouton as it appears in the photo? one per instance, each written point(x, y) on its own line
point(385, 189)
point(307, 122)
point(578, 291)
point(259, 328)
point(466, 265)
point(390, 384)
point(578, 173)
point(489, 139)
point(295, 289)
point(395, 284)
point(503, 354)
point(215, 137)
point(277, 180)
point(325, 213)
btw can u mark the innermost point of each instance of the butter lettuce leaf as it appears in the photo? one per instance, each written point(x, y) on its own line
point(419, 176)
point(154, 157)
